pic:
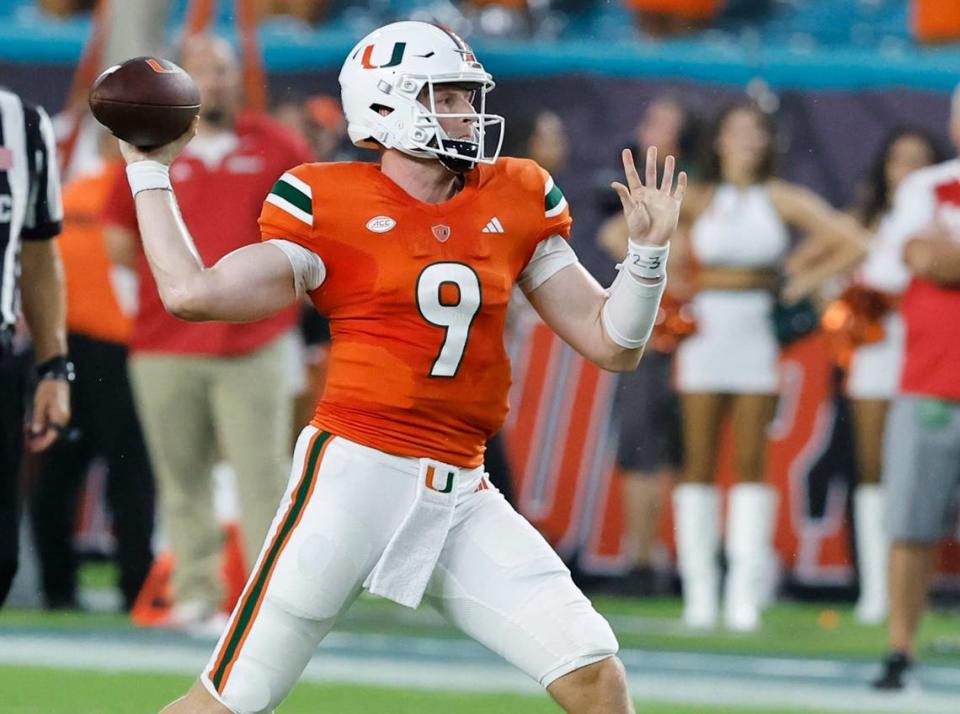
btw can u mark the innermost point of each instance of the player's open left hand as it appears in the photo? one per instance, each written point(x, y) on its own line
point(651, 212)
point(164, 154)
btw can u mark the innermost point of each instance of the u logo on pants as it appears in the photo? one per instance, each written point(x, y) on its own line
point(497, 579)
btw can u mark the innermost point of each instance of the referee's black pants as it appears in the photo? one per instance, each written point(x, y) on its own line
point(103, 413)
point(13, 371)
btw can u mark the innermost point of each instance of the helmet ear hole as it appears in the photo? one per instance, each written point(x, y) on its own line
point(387, 89)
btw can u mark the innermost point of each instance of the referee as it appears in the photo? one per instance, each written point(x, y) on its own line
point(31, 278)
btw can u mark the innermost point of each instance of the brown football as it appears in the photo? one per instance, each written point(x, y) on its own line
point(145, 101)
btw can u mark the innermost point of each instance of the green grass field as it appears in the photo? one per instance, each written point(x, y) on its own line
point(49, 691)
point(797, 629)
point(793, 629)
point(790, 629)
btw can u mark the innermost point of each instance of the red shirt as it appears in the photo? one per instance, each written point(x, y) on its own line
point(220, 193)
point(931, 312)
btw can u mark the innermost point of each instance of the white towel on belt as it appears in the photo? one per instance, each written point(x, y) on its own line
point(405, 567)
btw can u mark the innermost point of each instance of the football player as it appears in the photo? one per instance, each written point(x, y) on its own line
point(412, 261)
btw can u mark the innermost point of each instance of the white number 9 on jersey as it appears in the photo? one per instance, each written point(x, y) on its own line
point(455, 316)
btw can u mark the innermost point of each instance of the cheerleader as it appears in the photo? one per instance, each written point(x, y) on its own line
point(737, 218)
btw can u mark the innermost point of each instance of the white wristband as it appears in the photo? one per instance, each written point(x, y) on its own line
point(647, 261)
point(147, 175)
point(631, 310)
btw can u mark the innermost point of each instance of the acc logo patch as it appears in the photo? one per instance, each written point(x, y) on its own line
point(381, 224)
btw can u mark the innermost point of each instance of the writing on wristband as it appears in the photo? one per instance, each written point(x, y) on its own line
point(147, 175)
point(647, 261)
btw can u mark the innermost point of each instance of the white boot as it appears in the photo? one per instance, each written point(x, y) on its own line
point(751, 513)
point(696, 509)
point(872, 551)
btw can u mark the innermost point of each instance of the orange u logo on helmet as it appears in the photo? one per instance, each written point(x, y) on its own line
point(395, 58)
point(159, 68)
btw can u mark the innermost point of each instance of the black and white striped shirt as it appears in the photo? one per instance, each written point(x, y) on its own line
point(30, 206)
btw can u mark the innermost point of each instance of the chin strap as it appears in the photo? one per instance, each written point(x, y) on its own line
point(466, 148)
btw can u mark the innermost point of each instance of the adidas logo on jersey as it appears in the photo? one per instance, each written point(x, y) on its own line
point(494, 226)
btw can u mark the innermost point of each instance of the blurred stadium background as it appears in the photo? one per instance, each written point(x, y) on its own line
point(838, 73)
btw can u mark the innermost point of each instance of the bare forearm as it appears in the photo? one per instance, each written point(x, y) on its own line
point(253, 282)
point(840, 261)
point(605, 353)
point(735, 279)
point(947, 271)
point(934, 260)
point(572, 303)
point(42, 291)
point(590, 338)
point(171, 254)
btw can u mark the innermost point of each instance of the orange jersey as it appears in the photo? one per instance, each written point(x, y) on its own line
point(417, 296)
point(92, 307)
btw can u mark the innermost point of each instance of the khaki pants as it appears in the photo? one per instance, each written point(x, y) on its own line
point(194, 409)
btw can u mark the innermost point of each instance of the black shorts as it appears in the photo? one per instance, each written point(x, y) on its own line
point(648, 414)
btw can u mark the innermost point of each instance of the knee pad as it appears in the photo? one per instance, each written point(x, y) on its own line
point(249, 691)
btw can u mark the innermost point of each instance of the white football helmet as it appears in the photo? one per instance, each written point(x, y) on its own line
point(381, 82)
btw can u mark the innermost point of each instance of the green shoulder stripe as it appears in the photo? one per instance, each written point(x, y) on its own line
point(553, 200)
point(294, 195)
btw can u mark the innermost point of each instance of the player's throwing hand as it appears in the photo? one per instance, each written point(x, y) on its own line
point(651, 212)
point(164, 154)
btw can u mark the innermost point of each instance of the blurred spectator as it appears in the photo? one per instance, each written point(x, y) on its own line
point(541, 137)
point(203, 386)
point(102, 407)
point(876, 331)
point(737, 221)
point(514, 4)
point(326, 128)
point(66, 8)
point(309, 12)
point(935, 20)
point(649, 443)
point(501, 18)
point(921, 464)
point(319, 120)
point(669, 17)
point(669, 126)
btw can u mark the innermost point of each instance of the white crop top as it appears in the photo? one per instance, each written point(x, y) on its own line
point(740, 229)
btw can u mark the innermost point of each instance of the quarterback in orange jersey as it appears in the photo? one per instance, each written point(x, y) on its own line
point(413, 261)
point(420, 368)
